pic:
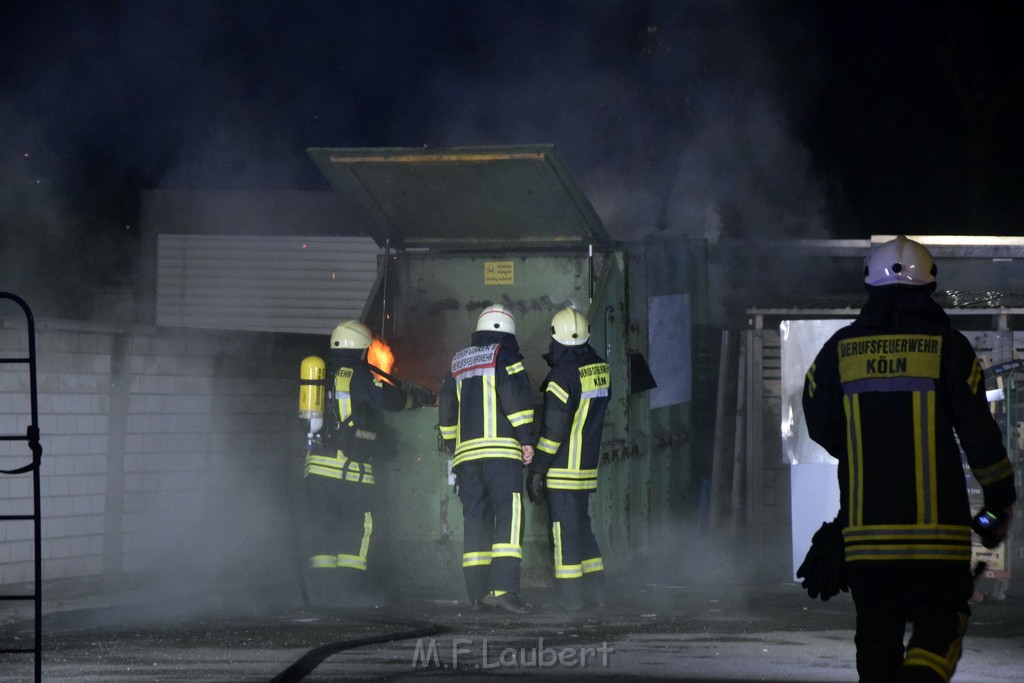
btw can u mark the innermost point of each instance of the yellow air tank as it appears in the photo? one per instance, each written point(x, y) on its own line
point(311, 388)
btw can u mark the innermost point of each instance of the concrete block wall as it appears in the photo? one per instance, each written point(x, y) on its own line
point(167, 452)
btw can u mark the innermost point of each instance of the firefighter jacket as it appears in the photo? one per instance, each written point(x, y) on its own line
point(888, 396)
point(351, 434)
point(486, 408)
point(576, 394)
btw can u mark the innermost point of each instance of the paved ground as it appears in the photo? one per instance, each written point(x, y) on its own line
point(680, 632)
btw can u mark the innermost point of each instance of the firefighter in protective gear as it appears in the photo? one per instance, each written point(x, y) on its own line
point(564, 469)
point(889, 396)
point(486, 421)
point(339, 471)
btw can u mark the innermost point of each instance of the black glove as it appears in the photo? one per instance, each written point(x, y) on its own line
point(535, 486)
point(824, 568)
point(442, 443)
point(992, 527)
point(421, 396)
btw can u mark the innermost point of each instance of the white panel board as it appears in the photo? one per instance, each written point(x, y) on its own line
point(669, 347)
point(814, 489)
point(815, 496)
point(800, 341)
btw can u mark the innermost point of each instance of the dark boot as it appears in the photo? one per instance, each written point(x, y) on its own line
point(594, 589)
point(316, 586)
point(571, 594)
point(478, 605)
point(506, 602)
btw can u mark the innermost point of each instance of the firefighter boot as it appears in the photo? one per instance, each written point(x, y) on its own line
point(571, 594)
point(317, 581)
point(478, 605)
point(593, 583)
point(506, 602)
point(356, 590)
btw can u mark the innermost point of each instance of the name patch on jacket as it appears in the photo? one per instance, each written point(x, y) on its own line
point(892, 355)
point(594, 380)
point(475, 361)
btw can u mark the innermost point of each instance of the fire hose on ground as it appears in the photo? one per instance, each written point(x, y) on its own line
point(308, 662)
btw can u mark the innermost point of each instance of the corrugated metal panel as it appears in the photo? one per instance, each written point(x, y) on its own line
point(260, 283)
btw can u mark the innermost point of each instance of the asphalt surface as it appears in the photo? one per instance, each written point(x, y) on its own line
point(681, 632)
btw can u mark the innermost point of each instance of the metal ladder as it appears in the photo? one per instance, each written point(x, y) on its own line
point(32, 437)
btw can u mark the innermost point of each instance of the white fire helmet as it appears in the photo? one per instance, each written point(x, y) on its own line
point(570, 327)
point(496, 318)
point(351, 334)
point(900, 261)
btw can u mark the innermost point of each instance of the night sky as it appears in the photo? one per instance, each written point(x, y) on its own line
point(815, 118)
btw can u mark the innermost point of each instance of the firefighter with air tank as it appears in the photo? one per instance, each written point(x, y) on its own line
point(342, 400)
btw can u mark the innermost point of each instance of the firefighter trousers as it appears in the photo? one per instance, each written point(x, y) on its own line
point(340, 528)
point(577, 558)
point(933, 600)
point(491, 492)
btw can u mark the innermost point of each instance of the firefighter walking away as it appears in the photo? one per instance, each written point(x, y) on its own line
point(889, 396)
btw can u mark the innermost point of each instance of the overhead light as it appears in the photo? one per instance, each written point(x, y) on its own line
point(956, 240)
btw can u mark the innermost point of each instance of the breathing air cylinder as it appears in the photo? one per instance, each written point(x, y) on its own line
point(311, 388)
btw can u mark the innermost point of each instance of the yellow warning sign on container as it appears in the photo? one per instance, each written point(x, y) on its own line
point(499, 272)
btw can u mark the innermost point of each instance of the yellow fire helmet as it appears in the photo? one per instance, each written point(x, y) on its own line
point(351, 334)
point(570, 327)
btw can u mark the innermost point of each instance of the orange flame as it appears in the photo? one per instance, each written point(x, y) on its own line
point(379, 355)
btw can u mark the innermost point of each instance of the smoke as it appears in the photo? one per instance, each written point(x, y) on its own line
point(212, 492)
point(675, 117)
point(682, 553)
point(34, 232)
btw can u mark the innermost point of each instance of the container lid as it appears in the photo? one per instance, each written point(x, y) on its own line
point(464, 197)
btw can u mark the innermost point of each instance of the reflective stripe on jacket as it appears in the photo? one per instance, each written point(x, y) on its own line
point(576, 395)
point(890, 396)
point(486, 408)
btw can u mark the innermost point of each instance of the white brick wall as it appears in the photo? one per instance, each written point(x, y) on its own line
point(193, 483)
